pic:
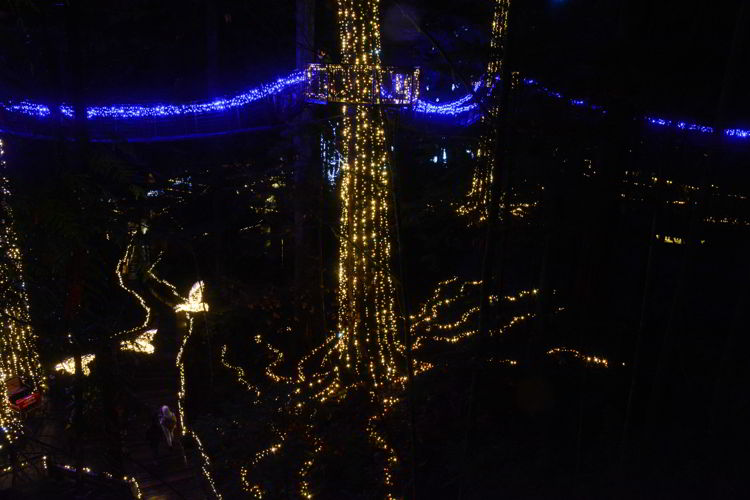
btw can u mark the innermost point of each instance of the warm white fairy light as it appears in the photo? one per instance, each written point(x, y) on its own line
point(135, 487)
point(240, 374)
point(18, 343)
point(143, 343)
point(255, 490)
point(152, 275)
point(478, 199)
point(380, 442)
point(426, 320)
point(194, 302)
point(367, 321)
point(592, 360)
point(364, 351)
point(68, 365)
point(120, 271)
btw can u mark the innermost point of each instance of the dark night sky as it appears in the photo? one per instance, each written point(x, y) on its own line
point(673, 62)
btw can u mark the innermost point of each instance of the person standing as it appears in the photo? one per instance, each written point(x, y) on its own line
point(168, 422)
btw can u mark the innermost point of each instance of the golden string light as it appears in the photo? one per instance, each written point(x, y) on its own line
point(367, 322)
point(190, 306)
point(304, 484)
point(143, 343)
point(368, 347)
point(381, 443)
point(239, 373)
point(477, 201)
point(592, 360)
point(452, 332)
point(120, 270)
point(68, 365)
point(194, 302)
point(161, 281)
point(255, 490)
point(18, 342)
point(135, 487)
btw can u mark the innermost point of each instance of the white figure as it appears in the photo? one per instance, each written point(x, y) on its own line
point(168, 422)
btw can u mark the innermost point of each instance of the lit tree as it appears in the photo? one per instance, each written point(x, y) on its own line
point(478, 199)
point(18, 350)
point(367, 324)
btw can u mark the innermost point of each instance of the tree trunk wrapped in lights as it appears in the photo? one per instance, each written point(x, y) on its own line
point(18, 349)
point(478, 198)
point(367, 324)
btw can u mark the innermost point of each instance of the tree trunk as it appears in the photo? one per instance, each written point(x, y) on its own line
point(305, 33)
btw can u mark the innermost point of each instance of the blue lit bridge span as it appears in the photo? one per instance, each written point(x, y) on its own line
point(262, 108)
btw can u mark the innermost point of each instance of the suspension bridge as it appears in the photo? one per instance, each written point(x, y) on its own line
point(269, 105)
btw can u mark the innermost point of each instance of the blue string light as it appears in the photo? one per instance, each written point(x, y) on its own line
point(460, 109)
point(133, 111)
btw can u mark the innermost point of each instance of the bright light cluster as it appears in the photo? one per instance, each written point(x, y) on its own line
point(18, 342)
point(68, 365)
point(194, 302)
point(143, 343)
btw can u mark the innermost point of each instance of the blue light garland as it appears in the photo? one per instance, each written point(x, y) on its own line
point(133, 111)
point(458, 109)
point(454, 108)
